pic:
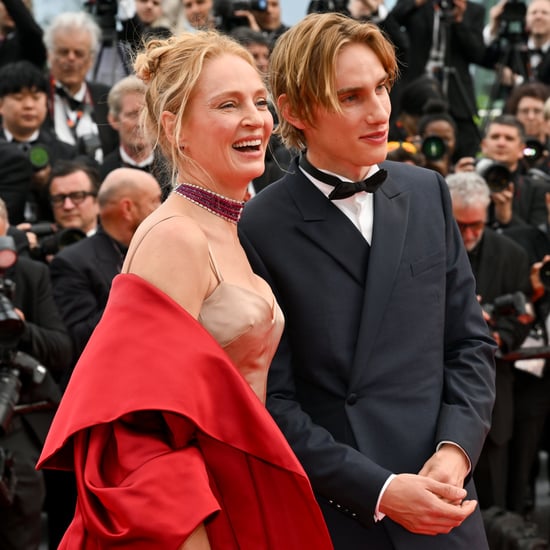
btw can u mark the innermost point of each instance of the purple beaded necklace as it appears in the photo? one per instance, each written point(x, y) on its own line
point(228, 209)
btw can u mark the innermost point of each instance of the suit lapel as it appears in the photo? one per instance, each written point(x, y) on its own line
point(327, 227)
point(391, 219)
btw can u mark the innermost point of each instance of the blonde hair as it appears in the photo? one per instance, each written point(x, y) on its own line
point(171, 68)
point(303, 61)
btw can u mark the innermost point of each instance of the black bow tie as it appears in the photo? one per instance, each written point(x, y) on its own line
point(344, 189)
point(74, 104)
point(536, 51)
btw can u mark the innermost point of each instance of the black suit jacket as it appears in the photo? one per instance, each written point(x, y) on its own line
point(81, 276)
point(379, 347)
point(107, 135)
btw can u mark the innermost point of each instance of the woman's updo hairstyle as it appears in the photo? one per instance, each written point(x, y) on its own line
point(171, 68)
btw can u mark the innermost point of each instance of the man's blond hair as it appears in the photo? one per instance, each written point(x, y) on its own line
point(303, 62)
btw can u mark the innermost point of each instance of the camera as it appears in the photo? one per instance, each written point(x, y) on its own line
point(533, 150)
point(52, 239)
point(38, 155)
point(496, 174)
point(512, 21)
point(224, 12)
point(509, 305)
point(326, 6)
point(433, 148)
point(16, 368)
point(104, 13)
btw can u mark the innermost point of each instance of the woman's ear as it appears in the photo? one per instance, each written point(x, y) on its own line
point(168, 123)
point(288, 114)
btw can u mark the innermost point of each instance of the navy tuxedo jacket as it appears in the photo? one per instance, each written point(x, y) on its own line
point(385, 351)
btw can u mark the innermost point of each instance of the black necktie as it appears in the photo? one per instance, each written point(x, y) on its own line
point(74, 104)
point(344, 189)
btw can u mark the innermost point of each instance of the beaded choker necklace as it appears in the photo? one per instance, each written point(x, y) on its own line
point(228, 209)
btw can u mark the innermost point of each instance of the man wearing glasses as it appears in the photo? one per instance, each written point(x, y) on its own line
point(72, 193)
point(501, 268)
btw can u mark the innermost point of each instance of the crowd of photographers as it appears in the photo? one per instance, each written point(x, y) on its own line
point(69, 109)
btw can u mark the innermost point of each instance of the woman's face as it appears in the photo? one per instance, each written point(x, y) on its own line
point(197, 12)
point(227, 125)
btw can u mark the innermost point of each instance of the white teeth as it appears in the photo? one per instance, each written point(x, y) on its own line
point(250, 143)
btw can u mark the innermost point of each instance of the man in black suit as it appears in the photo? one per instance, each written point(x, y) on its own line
point(501, 268)
point(126, 101)
point(82, 273)
point(77, 107)
point(24, 107)
point(45, 339)
point(384, 379)
point(527, 56)
point(446, 38)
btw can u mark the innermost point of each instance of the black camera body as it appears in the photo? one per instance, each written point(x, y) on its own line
point(51, 239)
point(105, 15)
point(496, 174)
point(38, 155)
point(508, 305)
point(326, 6)
point(224, 12)
point(512, 21)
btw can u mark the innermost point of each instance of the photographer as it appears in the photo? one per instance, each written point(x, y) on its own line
point(72, 192)
point(532, 387)
point(260, 15)
point(518, 195)
point(518, 39)
point(45, 339)
point(447, 38)
point(501, 271)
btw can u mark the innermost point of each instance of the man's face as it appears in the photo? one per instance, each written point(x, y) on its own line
point(260, 53)
point(127, 125)
point(148, 10)
point(197, 12)
point(71, 58)
point(471, 222)
point(530, 113)
point(23, 112)
point(348, 143)
point(270, 19)
point(79, 214)
point(503, 143)
point(537, 18)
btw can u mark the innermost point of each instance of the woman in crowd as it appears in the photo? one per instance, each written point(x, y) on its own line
point(163, 420)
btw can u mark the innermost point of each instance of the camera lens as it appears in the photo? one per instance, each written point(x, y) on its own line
point(496, 175)
point(433, 148)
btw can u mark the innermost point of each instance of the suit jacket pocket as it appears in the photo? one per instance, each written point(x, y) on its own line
point(427, 263)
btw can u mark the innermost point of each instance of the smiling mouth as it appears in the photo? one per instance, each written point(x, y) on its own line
point(249, 145)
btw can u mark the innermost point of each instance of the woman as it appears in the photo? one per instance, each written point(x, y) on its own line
point(167, 433)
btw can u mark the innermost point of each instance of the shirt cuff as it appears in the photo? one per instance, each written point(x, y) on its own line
point(378, 515)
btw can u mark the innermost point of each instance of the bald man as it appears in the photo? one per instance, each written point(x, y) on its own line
point(82, 273)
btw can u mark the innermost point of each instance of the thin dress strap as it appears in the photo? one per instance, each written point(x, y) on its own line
point(145, 234)
point(214, 265)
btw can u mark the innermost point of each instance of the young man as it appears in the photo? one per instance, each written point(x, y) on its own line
point(384, 379)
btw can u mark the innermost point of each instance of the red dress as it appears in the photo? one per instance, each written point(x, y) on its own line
point(163, 433)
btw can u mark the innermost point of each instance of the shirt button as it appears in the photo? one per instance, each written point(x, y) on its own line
point(352, 399)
